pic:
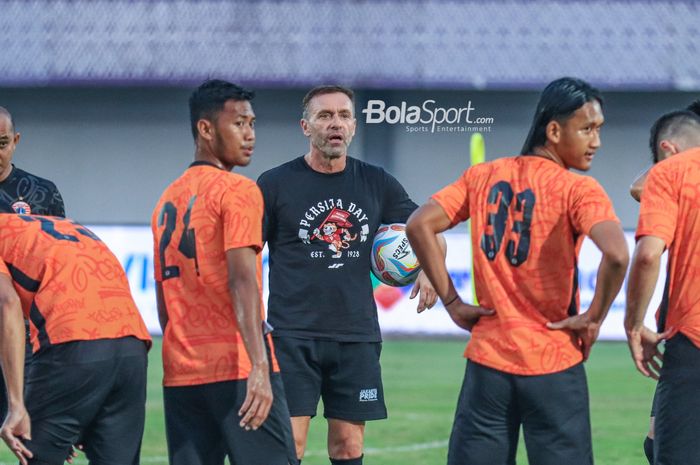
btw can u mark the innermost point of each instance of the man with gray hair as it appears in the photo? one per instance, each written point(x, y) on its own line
point(322, 210)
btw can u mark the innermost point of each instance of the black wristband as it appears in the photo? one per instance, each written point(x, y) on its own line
point(450, 302)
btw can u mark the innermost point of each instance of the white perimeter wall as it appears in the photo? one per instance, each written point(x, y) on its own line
point(134, 248)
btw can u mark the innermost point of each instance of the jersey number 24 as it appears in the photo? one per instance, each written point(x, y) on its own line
point(187, 245)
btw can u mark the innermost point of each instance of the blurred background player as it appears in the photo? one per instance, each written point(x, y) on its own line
point(222, 389)
point(326, 329)
point(671, 134)
point(525, 361)
point(22, 192)
point(88, 376)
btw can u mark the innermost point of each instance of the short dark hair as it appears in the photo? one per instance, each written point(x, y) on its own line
point(210, 97)
point(322, 90)
point(5, 112)
point(694, 107)
point(670, 125)
point(559, 100)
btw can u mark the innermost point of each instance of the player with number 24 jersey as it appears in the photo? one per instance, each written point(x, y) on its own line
point(222, 391)
point(529, 215)
point(205, 345)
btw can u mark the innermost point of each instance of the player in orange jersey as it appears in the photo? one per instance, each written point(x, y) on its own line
point(529, 215)
point(668, 219)
point(668, 133)
point(88, 375)
point(222, 389)
point(22, 192)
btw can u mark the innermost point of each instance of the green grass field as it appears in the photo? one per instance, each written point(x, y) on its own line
point(422, 379)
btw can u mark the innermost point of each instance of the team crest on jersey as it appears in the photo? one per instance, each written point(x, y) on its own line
point(331, 223)
point(22, 208)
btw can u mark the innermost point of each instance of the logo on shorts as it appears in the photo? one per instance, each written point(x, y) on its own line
point(368, 395)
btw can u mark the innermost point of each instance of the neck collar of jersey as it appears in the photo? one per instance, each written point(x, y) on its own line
point(204, 163)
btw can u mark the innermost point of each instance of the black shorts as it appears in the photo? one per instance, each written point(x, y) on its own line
point(553, 410)
point(88, 392)
point(202, 426)
point(678, 404)
point(347, 375)
point(653, 402)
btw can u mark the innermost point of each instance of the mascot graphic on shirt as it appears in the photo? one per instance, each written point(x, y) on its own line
point(335, 231)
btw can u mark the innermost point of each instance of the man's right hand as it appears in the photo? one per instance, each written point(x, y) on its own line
point(258, 399)
point(583, 327)
point(466, 316)
point(644, 347)
point(15, 428)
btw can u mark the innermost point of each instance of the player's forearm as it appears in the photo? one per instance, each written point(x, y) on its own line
point(640, 288)
point(443, 245)
point(162, 320)
point(162, 309)
point(246, 303)
point(12, 345)
point(431, 256)
point(610, 240)
point(611, 275)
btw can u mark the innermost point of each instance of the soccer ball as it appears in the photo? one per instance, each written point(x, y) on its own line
point(393, 260)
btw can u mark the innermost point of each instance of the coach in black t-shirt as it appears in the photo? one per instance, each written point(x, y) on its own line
point(24, 193)
point(321, 213)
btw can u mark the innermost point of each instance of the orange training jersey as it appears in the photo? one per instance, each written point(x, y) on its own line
point(670, 210)
point(529, 216)
point(72, 288)
point(200, 216)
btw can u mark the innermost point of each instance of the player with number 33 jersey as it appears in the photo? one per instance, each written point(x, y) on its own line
point(529, 215)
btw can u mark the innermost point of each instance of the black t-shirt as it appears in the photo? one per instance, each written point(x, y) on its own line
point(27, 194)
point(319, 229)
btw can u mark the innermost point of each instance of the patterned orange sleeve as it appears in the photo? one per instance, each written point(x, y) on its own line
point(454, 199)
point(658, 214)
point(590, 205)
point(242, 211)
